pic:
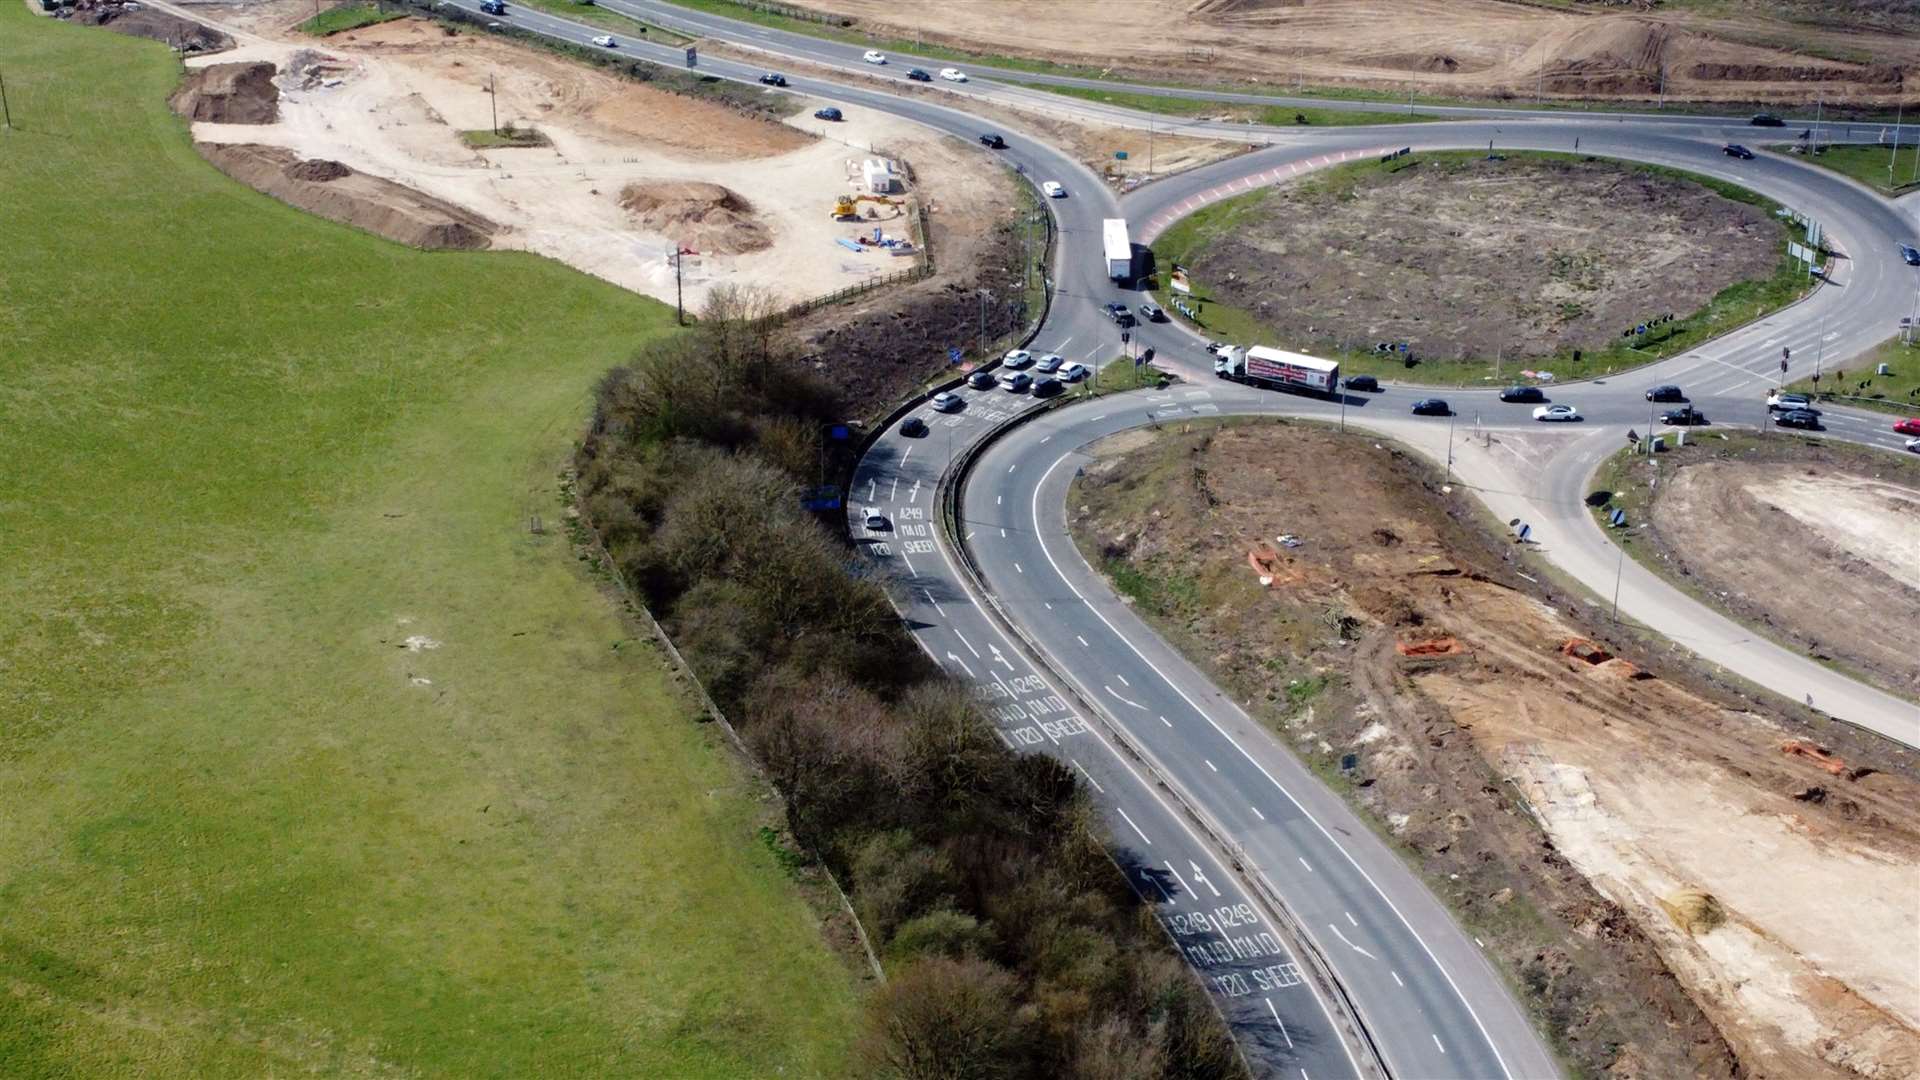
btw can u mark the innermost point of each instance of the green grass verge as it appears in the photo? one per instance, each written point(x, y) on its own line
point(245, 831)
point(1734, 306)
point(507, 139)
point(1119, 375)
point(1277, 115)
point(620, 25)
point(349, 17)
point(1897, 392)
point(1867, 164)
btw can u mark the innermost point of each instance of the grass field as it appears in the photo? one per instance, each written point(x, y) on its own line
point(349, 17)
point(245, 830)
point(505, 139)
point(1282, 115)
point(1868, 164)
point(1732, 307)
point(1855, 382)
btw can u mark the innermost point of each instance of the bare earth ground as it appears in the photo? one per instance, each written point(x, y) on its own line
point(1691, 901)
point(1855, 52)
point(1819, 549)
point(390, 100)
point(1459, 257)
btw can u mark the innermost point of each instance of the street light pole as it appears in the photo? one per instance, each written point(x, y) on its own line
point(1619, 565)
point(1450, 416)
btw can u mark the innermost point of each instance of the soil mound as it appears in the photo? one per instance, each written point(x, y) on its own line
point(706, 217)
point(229, 94)
point(338, 193)
point(1608, 56)
point(183, 34)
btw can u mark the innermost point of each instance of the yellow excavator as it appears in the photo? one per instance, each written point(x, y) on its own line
point(847, 207)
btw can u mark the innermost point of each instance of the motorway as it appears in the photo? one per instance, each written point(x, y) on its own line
point(1297, 918)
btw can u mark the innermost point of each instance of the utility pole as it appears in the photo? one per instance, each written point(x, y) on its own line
point(1619, 565)
point(1150, 147)
point(4, 108)
point(1449, 446)
point(983, 325)
point(679, 309)
point(1663, 84)
point(1819, 106)
point(493, 100)
point(1899, 115)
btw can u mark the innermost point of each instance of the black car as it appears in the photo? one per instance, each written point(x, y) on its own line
point(774, 78)
point(1767, 120)
point(828, 113)
point(1910, 254)
point(1684, 417)
point(1737, 151)
point(1120, 315)
point(1363, 382)
point(913, 427)
point(1432, 406)
point(918, 76)
point(1527, 395)
point(993, 142)
point(1666, 393)
point(1046, 385)
point(981, 380)
point(1800, 418)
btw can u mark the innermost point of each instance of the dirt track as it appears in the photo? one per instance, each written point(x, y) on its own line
point(1816, 546)
point(1466, 257)
point(1854, 49)
point(1673, 834)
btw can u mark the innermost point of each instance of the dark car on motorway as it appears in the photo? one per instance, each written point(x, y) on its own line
point(774, 78)
point(1363, 382)
point(993, 142)
point(1800, 418)
point(1432, 406)
point(1767, 120)
point(1152, 313)
point(1911, 254)
point(1666, 393)
point(913, 427)
point(981, 380)
point(1523, 394)
point(1120, 315)
point(828, 113)
point(1046, 385)
point(918, 76)
point(1737, 151)
point(1687, 416)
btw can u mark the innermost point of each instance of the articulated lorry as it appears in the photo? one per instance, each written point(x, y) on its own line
point(1276, 369)
point(1119, 249)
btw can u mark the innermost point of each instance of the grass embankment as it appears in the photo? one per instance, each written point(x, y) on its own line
point(623, 25)
point(504, 139)
point(1733, 306)
point(1867, 164)
point(349, 17)
point(1240, 113)
point(246, 831)
point(1121, 374)
point(1897, 392)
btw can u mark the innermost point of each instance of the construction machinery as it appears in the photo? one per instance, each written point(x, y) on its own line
point(847, 207)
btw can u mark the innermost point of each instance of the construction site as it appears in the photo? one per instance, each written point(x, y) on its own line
point(1610, 821)
point(444, 137)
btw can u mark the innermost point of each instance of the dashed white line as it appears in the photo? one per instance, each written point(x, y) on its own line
point(1124, 701)
point(968, 644)
point(1088, 775)
point(1283, 1028)
point(1178, 878)
point(1257, 813)
point(1349, 944)
point(1303, 862)
point(1082, 640)
point(1123, 680)
point(1017, 570)
point(1211, 765)
point(936, 604)
point(1351, 919)
point(1396, 979)
point(1136, 828)
point(1436, 1042)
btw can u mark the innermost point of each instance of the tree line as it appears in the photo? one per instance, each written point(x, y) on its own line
point(1013, 946)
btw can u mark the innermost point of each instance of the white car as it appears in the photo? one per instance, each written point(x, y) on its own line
point(1556, 412)
point(875, 56)
point(953, 75)
point(875, 519)
point(1914, 445)
point(1054, 190)
point(1016, 381)
point(1016, 359)
point(945, 402)
point(605, 41)
point(1073, 373)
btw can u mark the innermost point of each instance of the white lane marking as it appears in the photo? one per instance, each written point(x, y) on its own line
point(1048, 606)
point(1122, 812)
point(1047, 550)
point(1003, 534)
point(968, 644)
point(1396, 979)
point(895, 490)
point(1123, 680)
point(1211, 765)
point(1015, 465)
point(1017, 570)
point(1351, 919)
point(951, 655)
point(1349, 944)
point(997, 658)
point(910, 570)
point(1436, 1042)
point(871, 481)
point(1283, 1027)
point(1062, 347)
point(936, 604)
point(1002, 734)
point(1082, 640)
point(969, 535)
point(1167, 896)
point(1166, 721)
point(1088, 775)
point(1201, 877)
point(908, 454)
point(1303, 862)
point(1124, 701)
point(998, 499)
point(1046, 438)
point(1178, 878)
point(1257, 813)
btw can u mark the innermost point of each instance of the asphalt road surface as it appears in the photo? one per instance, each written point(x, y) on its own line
point(1262, 876)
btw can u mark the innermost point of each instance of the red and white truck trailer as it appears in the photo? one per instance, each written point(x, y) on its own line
point(1276, 369)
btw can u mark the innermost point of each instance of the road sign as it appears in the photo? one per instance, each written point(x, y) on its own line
point(1125, 337)
point(1786, 354)
point(1119, 155)
point(1783, 366)
point(693, 56)
point(1618, 517)
point(953, 354)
